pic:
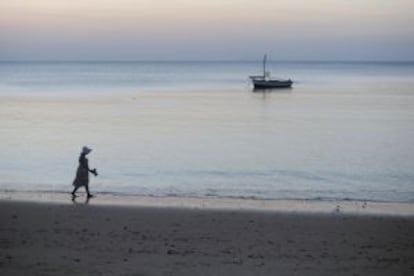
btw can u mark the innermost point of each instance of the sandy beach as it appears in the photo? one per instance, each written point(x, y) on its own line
point(79, 239)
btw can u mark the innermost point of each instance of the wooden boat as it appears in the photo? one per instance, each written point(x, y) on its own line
point(265, 82)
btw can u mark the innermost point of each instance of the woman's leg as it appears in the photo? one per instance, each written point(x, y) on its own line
point(74, 190)
point(87, 191)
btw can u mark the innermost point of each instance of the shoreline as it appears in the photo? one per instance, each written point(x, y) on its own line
point(307, 206)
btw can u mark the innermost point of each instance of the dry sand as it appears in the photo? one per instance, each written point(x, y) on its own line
point(78, 239)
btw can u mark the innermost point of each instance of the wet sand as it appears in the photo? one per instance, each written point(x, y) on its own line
point(79, 239)
point(217, 203)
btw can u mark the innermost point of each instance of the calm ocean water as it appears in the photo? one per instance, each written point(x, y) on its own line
point(344, 131)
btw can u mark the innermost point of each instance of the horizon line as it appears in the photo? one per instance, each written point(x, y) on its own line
point(208, 60)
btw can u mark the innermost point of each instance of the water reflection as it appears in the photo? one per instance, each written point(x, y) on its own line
point(84, 201)
point(272, 90)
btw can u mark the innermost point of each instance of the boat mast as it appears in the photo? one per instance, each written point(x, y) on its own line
point(264, 66)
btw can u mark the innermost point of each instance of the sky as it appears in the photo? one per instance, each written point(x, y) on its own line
point(206, 30)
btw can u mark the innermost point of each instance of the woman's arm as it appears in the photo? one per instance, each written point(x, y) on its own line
point(84, 163)
point(94, 172)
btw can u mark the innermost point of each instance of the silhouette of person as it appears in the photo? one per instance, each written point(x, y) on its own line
point(82, 173)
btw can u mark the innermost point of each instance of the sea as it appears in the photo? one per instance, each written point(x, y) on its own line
point(344, 131)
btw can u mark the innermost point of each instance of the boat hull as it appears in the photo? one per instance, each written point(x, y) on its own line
point(270, 84)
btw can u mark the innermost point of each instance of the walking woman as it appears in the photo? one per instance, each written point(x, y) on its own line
point(82, 174)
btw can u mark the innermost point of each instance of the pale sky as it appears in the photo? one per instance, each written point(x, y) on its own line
point(206, 30)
